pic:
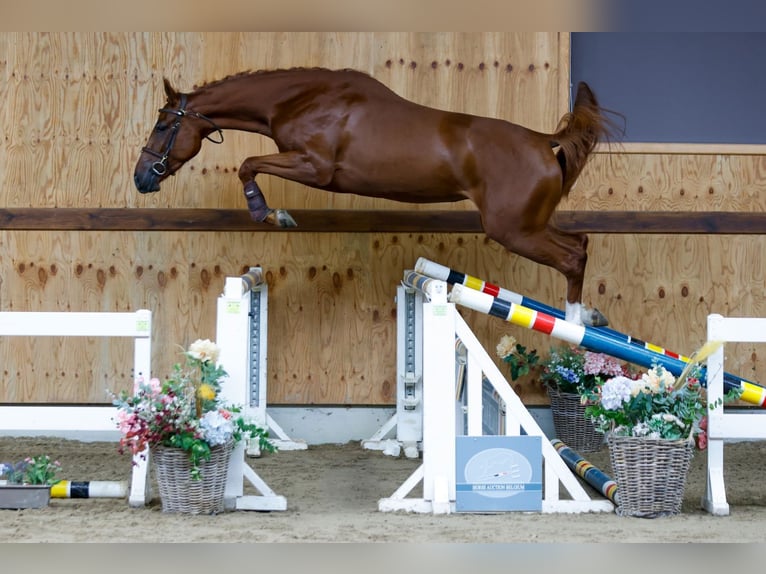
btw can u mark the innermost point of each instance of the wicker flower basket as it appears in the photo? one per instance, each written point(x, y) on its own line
point(572, 427)
point(179, 492)
point(650, 474)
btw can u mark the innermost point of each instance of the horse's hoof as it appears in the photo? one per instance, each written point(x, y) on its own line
point(594, 318)
point(284, 219)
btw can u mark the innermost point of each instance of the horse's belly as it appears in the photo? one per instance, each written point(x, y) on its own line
point(397, 175)
point(397, 185)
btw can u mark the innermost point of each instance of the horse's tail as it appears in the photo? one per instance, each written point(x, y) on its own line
point(578, 133)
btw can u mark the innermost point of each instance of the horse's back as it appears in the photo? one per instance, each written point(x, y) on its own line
point(387, 146)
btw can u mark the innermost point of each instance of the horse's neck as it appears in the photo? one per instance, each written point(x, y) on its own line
point(241, 103)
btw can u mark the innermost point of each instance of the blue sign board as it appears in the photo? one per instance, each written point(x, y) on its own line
point(498, 473)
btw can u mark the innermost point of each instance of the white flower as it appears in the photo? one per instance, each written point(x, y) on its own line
point(506, 346)
point(615, 392)
point(641, 429)
point(204, 350)
point(655, 380)
point(670, 418)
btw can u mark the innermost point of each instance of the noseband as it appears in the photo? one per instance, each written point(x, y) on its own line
point(161, 167)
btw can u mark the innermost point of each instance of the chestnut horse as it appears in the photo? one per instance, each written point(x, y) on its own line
point(343, 131)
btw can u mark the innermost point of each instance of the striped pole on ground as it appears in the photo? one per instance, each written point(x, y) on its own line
point(751, 392)
point(89, 489)
point(589, 473)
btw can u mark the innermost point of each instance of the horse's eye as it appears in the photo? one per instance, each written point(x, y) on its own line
point(160, 128)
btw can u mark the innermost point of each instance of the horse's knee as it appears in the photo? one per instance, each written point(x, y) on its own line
point(246, 173)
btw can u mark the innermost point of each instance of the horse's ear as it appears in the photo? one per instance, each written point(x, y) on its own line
point(170, 92)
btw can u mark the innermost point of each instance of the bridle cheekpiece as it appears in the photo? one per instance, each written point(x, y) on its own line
point(161, 167)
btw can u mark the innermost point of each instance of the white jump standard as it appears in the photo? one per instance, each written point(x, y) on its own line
point(241, 335)
point(408, 417)
point(722, 425)
point(57, 420)
point(441, 325)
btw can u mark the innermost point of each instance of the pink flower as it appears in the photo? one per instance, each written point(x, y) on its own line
point(156, 385)
point(123, 421)
point(702, 440)
point(601, 364)
point(702, 435)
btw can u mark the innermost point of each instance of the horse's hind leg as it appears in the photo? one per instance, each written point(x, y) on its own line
point(567, 253)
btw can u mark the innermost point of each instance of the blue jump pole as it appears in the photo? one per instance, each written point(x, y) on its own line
point(596, 339)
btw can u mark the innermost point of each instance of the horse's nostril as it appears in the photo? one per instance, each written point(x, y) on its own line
point(143, 184)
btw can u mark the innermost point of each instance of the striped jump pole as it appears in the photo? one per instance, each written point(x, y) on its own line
point(751, 392)
point(592, 338)
point(589, 473)
point(252, 279)
point(438, 271)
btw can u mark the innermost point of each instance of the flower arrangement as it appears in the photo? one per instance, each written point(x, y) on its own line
point(520, 361)
point(185, 411)
point(572, 369)
point(656, 405)
point(32, 470)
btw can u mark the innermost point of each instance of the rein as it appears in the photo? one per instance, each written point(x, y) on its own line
point(161, 167)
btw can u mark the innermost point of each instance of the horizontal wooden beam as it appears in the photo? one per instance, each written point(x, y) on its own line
point(663, 222)
point(308, 220)
point(371, 221)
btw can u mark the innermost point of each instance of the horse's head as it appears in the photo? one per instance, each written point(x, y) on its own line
point(175, 139)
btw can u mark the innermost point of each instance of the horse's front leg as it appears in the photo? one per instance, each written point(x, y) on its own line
point(261, 212)
point(295, 166)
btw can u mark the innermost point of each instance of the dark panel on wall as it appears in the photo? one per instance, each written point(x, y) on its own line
point(682, 87)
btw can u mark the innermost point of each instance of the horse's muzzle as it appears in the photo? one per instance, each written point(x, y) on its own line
point(147, 183)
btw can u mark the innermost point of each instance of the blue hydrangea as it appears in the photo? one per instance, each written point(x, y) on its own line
point(216, 428)
point(567, 374)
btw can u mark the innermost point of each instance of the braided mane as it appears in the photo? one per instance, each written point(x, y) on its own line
point(250, 73)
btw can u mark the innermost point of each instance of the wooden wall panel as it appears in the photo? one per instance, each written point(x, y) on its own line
point(670, 182)
point(79, 106)
point(331, 308)
point(661, 289)
point(64, 272)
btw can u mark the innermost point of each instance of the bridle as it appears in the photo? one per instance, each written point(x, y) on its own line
point(161, 167)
